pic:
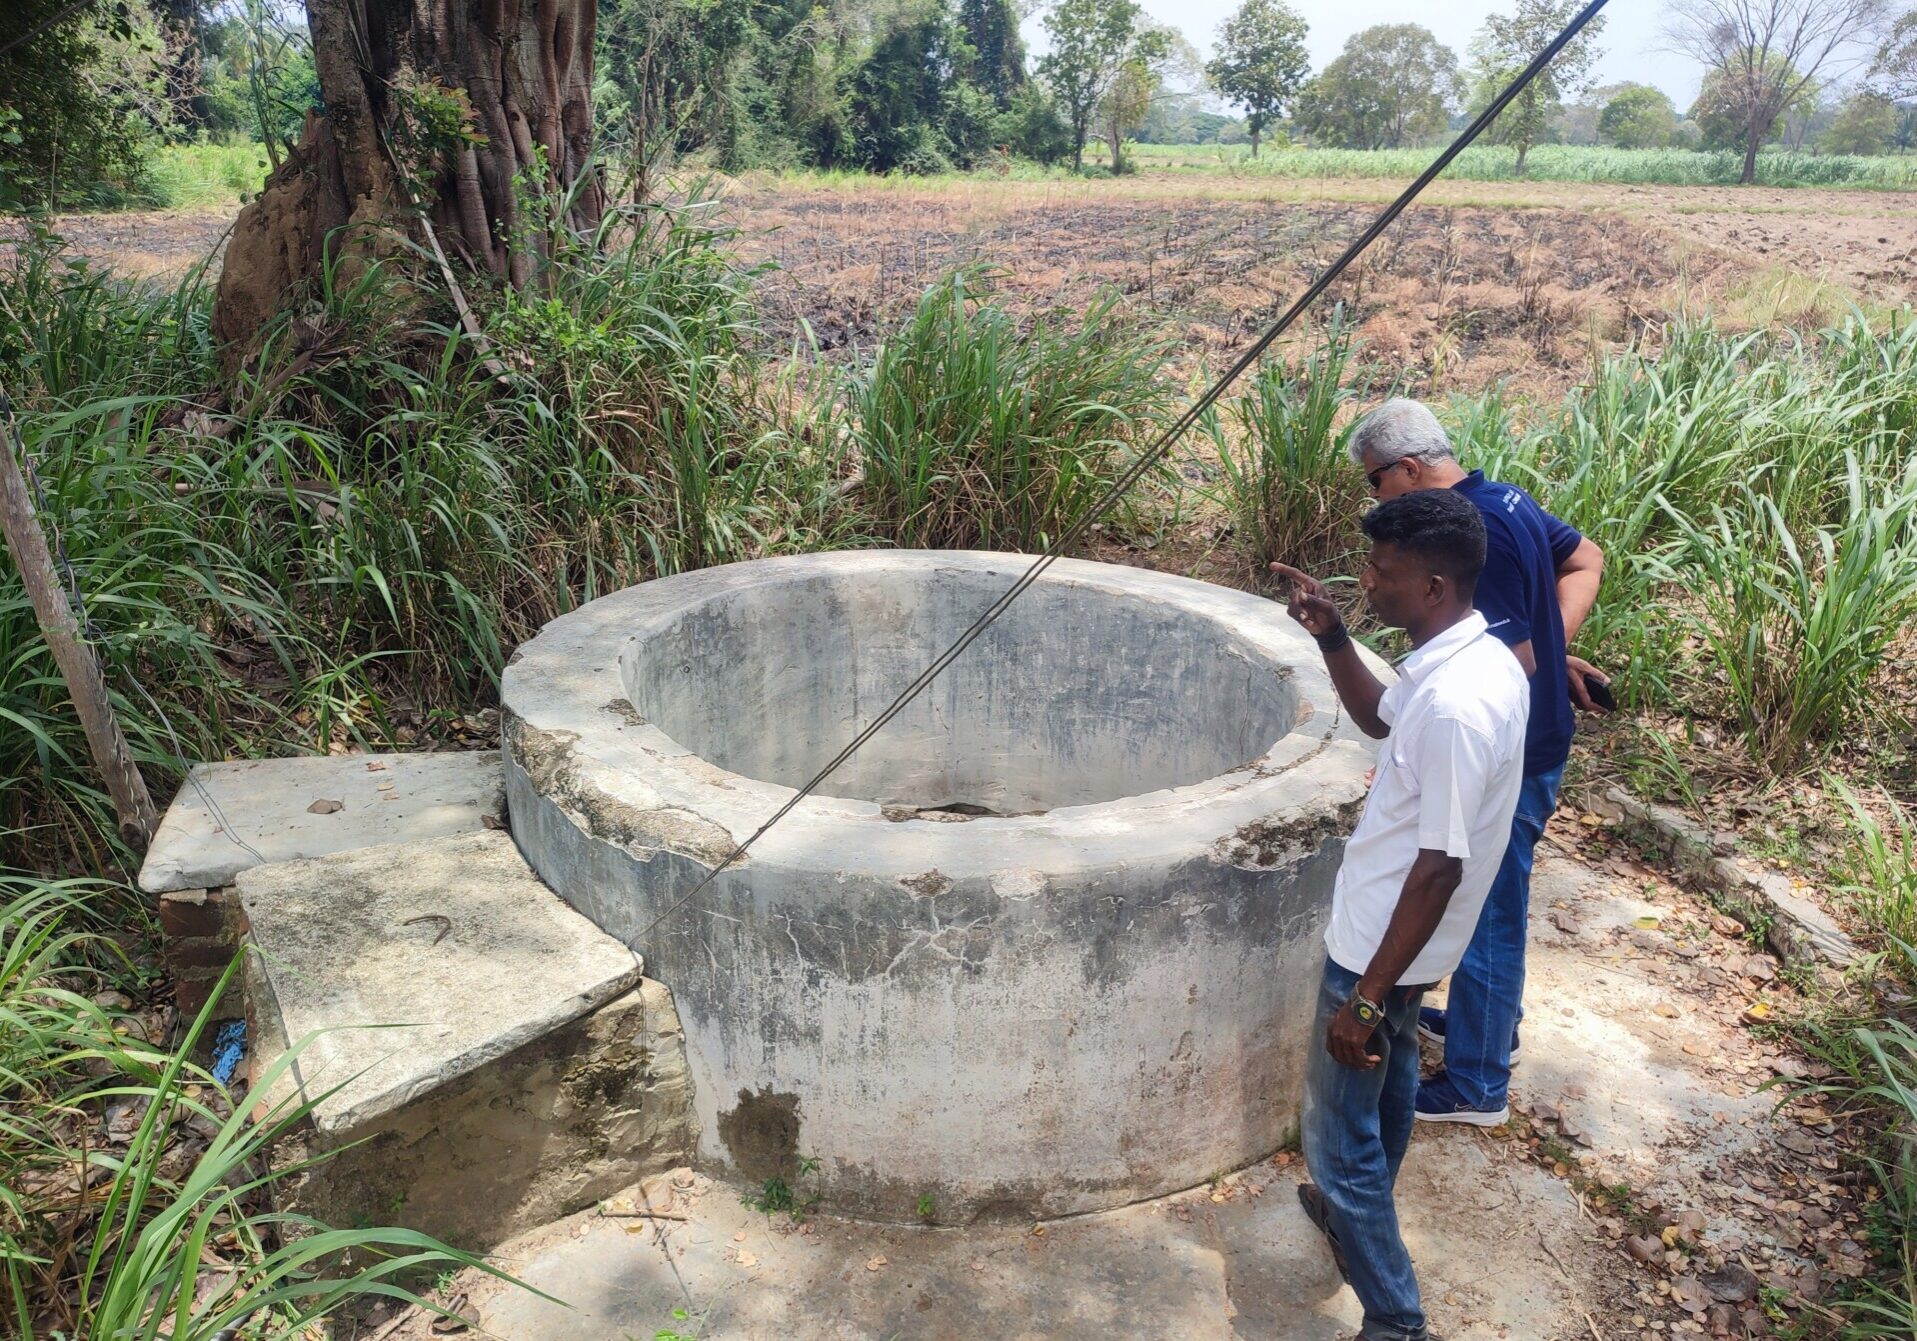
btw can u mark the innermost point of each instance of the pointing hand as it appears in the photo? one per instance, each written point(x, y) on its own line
point(1309, 604)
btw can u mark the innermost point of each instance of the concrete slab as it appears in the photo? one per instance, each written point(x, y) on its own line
point(232, 816)
point(412, 964)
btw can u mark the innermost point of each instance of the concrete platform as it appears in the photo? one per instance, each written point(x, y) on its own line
point(480, 1058)
point(231, 816)
point(411, 964)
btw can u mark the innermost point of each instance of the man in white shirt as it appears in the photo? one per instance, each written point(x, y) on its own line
point(1415, 874)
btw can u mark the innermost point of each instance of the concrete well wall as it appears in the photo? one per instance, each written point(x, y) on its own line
point(1031, 1014)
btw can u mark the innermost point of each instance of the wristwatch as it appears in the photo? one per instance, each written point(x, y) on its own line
point(1368, 1013)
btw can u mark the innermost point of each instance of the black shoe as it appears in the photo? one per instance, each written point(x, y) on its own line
point(1319, 1214)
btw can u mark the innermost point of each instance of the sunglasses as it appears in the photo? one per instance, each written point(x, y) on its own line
point(1375, 478)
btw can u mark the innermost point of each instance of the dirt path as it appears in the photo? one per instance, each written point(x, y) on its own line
point(1642, 1119)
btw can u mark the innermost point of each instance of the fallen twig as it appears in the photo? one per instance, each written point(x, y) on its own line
point(1559, 1261)
point(393, 1324)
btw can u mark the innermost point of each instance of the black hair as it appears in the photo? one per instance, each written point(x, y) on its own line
point(1440, 526)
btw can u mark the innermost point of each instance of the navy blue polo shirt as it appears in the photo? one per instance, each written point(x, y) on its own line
point(1518, 597)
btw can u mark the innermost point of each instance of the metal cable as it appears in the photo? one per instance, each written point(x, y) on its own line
point(1154, 454)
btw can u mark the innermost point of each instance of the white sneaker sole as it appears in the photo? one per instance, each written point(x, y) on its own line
point(1470, 1117)
point(1431, 1037)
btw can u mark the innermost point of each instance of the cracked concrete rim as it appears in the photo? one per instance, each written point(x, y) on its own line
point(571, 731)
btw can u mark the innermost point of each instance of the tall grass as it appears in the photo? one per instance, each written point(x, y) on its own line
point(1877, 869)
point(1546, 162)
point(1756, 502)
point(134, 1196)
point(1873, 1065)
point(976, 430)
point(1798, 619)
point(191, 176)
point(373, 521)
point(1284, 475)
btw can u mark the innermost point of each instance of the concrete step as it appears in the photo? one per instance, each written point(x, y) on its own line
point(478, 1058)
point(229, 817)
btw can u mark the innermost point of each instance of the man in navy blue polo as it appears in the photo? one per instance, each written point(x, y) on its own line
point(1540, 580)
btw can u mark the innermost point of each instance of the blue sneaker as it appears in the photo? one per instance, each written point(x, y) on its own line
point(1439, 1101)
point(1431, 1026)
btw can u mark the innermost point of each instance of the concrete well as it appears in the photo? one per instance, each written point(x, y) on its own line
point(1051, 944)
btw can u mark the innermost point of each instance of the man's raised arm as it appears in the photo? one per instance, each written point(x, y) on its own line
point(1358, 689)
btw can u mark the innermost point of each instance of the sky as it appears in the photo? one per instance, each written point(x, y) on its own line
point(1630, 42)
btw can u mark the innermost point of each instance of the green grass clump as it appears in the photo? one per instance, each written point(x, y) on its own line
point(1872, 1064)
point(1877, 868)
point(1755, 495)
point(372, 520)
point(192, 176)
point(977, 430)
point(1283, 471)
point(134, 1196)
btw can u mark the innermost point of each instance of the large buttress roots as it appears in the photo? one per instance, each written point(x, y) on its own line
point(525, 67)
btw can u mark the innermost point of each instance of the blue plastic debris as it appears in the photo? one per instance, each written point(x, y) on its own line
point(229, 1046)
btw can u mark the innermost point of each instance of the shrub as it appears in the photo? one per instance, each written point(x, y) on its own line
point(975, 430)
point(1285, 478)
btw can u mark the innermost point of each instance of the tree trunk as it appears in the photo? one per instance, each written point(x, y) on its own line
point(432, 107)
point(1524, 148)
point(1753, 136)
point(1117, 143)
point(1254, 143)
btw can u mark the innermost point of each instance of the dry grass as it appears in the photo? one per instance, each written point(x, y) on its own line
point(1451, 298)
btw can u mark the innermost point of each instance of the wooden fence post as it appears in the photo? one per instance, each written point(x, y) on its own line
point(78, 666)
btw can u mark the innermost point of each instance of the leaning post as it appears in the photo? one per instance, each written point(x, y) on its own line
point(132, 803)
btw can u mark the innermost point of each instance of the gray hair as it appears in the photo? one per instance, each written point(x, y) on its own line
point(1398, 429)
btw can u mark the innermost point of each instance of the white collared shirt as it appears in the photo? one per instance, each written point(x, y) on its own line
point(1447, 779)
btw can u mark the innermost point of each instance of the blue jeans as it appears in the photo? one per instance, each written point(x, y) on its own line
point(1487, 989)
point(1356, 1126)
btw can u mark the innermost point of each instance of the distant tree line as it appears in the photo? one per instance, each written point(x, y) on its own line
point(923, 86)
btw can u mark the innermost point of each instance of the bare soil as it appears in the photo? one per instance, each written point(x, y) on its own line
point(1480, 281)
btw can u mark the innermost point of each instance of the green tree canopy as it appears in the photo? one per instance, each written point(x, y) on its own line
point(1261, 62)
point(85, 92)
point(1720, 110)
point(1394, 84)
point(1865, 124)
point(1155, 53)
point(1639, 117)
point(1092, 41)
point(997, 62)
point(1507, 43)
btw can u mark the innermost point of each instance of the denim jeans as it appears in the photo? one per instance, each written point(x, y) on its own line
point(1356, 1126)
point(1487, 989)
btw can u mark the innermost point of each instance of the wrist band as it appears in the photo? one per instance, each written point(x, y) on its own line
point(1331, 642)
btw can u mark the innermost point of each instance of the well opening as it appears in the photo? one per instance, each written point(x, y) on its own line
point(1075, 696)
